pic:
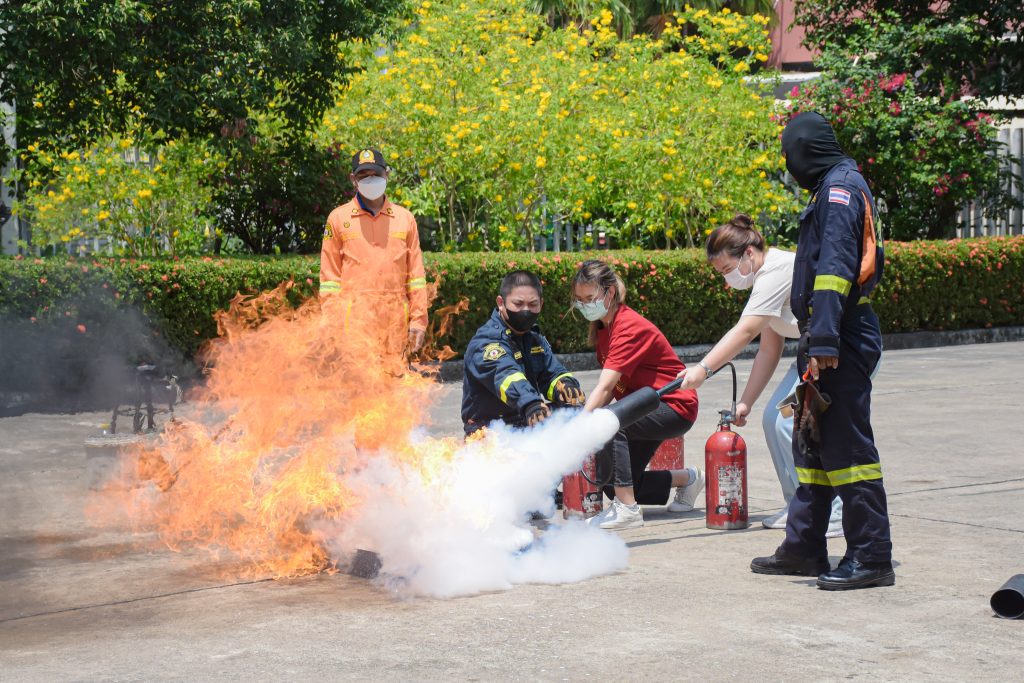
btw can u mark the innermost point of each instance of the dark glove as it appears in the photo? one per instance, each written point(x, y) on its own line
point(811, 404)
point(569, 393)
point(536, 413)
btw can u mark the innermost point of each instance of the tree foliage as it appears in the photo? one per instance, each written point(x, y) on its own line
point(640, 16)
point(923, 155)
point(973, 43)
point(499, 126)
point(80, 71)
point(133, 202)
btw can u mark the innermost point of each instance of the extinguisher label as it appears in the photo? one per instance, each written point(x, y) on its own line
point(730, 488)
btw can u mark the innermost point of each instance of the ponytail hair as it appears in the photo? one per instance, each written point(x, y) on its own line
point(602, 276)
point(734, 237)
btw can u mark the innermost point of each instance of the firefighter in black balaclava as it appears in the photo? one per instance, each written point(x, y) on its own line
point(838, 264)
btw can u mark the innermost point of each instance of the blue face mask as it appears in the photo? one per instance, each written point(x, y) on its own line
point(594, 310)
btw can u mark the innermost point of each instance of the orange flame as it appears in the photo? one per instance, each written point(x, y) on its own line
point(295, 398)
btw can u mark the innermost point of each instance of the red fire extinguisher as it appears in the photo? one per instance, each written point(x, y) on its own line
point(581, 494)
point(725, 466)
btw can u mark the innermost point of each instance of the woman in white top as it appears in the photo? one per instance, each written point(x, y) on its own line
point(737, 251)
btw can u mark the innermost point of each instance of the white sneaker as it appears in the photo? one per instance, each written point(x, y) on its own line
point(620, 516)
point(778, 520)
point(599, 517)
point(835, 520)
point(686, 496)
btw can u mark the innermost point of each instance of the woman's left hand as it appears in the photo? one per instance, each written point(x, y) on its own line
point(693, 376)
point(742, 410)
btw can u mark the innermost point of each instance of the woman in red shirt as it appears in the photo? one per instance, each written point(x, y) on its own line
point(634, 353)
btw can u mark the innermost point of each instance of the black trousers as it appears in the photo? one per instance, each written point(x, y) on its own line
point(847, 463)
point(623, 460)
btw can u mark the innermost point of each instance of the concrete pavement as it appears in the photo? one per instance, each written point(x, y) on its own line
point(78, 603)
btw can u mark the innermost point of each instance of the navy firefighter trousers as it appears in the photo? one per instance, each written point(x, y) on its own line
point(846, 464)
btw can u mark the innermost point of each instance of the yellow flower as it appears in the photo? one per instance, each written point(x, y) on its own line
point(85, 212)
point(143, 194)
point(541, 162)
point(103, 215)
point(631, 205)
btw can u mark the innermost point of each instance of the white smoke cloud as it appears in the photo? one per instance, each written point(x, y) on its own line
point(463, 529)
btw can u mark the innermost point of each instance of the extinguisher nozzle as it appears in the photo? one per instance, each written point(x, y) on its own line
point(635, 406)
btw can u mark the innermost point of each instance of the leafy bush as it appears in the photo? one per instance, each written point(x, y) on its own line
point(923, 155)
point(276, 189)
point(142, 203)
point(928, 286)
point(499, 126)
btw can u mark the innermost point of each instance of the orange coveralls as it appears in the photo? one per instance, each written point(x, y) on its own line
point(375, 263)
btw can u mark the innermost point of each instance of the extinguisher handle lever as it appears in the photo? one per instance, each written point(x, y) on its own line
point(671, 386)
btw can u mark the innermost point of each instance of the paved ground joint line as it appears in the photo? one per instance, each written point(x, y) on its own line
point(953, 521)
point(129, 601)
point(957, 486)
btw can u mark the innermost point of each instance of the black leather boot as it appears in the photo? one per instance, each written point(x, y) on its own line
point(852, 574)
point(789, 564)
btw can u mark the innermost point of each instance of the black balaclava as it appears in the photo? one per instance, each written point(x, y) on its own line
point(810, 146)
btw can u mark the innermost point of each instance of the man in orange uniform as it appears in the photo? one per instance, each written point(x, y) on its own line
point(371, 257)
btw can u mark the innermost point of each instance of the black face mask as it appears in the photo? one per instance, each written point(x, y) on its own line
point(811, 149)
point(521, 321)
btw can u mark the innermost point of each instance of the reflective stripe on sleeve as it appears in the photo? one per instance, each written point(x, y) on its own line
point(330, 286)
point(514, 377)
point(832, 282)
point(417, 283)
point(551, 387)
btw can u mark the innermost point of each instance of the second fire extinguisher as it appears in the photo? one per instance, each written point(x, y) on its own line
point(581, 492)
point(725, 463)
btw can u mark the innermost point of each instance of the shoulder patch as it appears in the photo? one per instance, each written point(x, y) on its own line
point(537, 349)
point(837, 195)
point(328, 232)
point(493, 351)
point(517, 355)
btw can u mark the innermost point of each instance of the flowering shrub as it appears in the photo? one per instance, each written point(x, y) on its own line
point(145, 204)
point(499, 126)
point(928, 286)
point(923, 156)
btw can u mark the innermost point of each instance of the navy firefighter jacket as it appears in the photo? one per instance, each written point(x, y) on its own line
point(506, 372)
point(838, 262)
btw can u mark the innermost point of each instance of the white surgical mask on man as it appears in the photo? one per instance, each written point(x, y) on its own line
point(372, 187)
point(738, 279)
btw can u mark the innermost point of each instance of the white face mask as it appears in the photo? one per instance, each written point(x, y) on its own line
point(372, 187)
point(594, 310)
point(739, 280)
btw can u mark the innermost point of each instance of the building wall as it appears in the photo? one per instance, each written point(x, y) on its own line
point(787, 52)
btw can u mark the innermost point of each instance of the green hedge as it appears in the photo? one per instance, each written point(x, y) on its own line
point(928, 285)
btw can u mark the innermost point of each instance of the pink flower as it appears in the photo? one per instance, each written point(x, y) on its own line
point(80, 328)
point(894, 83)
point(895, 108)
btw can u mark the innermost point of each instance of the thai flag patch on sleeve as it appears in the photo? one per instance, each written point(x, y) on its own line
point(838, 195)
